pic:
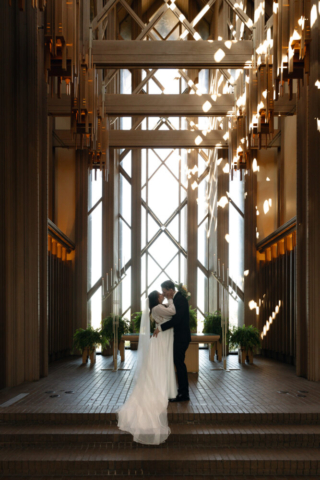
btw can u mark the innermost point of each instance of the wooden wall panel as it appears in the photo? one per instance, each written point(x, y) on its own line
point(60, 303)
point(276, 282)
point(250, 281)
point(24, 202)
point(80, 283)
point(308, 203)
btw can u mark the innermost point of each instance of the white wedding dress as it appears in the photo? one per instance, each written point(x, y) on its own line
point(144, 414)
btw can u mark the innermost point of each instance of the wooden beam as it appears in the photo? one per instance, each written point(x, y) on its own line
point(172, 54)
point(168, 105)
point(285, 106)
point(150, 139)
point(137, 19)
point(103, 13)
point(59, 107)
point(164, 139)
point(171, 105)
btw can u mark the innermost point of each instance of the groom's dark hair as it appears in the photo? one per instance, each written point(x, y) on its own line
point(168, 284)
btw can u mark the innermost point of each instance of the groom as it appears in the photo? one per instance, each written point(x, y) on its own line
point(182, 337)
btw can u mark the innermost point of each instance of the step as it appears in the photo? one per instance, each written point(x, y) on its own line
point(181, 434)
point(166, 477)
point(178, 416)
point(192, 460)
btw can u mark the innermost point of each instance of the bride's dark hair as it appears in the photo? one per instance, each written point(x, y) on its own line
point(153, 299)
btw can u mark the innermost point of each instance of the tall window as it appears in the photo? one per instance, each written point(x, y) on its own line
point(163, 217)
point(164, 202)
point(94, 247)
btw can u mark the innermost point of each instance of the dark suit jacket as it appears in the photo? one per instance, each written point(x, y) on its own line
point(180, 321)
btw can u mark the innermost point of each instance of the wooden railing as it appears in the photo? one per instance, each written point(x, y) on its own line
point(276, 292)
point(60, 293)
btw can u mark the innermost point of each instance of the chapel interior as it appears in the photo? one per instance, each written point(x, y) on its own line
point(146, 140)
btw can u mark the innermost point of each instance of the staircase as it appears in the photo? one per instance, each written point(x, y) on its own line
point(203, 445)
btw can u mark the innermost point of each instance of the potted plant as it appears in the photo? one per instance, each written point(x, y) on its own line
point(86, 340)
point(107, 330)
point(193, 322)
point(135, 327)
point(212, 324)
point(248, 341)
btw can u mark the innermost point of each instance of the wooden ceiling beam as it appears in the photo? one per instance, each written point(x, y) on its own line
point(165, 139)
point(172, 54)
point(149, 139)
point(168, 105)
point(165, 105)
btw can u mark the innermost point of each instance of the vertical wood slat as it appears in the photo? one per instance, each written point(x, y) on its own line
point(60, 304)
point(276, 279)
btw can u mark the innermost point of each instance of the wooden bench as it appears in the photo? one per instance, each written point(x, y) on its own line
point(215, 348)
point(192, 354)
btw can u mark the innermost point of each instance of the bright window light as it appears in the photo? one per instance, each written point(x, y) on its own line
point(219, 55)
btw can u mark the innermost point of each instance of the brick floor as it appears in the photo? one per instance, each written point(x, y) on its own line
point(252, 389)
point(237, 425)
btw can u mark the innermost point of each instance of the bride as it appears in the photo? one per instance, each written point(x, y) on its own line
point(144, 414)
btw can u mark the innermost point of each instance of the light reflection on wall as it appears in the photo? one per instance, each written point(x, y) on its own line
point(267, 189)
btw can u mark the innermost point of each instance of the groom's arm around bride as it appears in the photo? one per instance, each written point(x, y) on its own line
point(182, 336)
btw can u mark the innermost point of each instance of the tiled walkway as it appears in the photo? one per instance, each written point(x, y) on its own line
point(250, 389)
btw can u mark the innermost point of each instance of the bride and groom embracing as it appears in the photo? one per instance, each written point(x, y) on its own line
point(144, 414)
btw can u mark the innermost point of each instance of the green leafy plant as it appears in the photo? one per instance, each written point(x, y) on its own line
point(193, 322)
point(131, 326)
point(107, 327)
point(137, 322)
point(244, 337)
point(90, 338)
point(212, 324)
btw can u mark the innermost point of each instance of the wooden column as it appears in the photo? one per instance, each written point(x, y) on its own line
point(280, 176)
point(212, 260)
point(250, 262)
point(136, 232)
point(24, 196)
point(308, 226)
point(81, 253)
point(43, 210)
point(136, 191)
point(222, 219)
point(192, 231)
point(110, 201)
point(110, 226)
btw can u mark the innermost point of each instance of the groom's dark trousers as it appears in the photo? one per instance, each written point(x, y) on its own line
point(179, 352)
point(182, 338)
